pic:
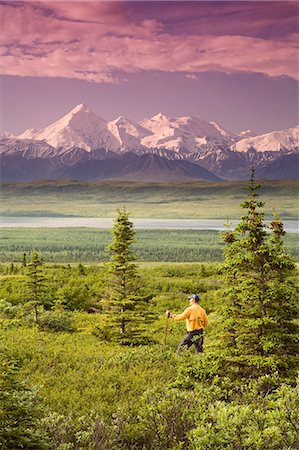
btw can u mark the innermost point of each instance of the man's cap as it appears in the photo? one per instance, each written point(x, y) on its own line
point(194, 297)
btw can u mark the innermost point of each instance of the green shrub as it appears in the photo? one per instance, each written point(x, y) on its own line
point(271, 426)
point(8, 310)
point(55, 321)
point(19, 413)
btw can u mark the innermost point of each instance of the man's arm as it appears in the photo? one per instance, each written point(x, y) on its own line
point(182, 316)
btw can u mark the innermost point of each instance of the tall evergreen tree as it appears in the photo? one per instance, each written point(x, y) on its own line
point(260, 308)
point(126, 310)
point(36, 283)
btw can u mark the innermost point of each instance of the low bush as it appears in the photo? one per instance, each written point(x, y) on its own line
point(55, 321)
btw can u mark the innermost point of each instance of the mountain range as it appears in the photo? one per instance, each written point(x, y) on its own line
point(83, 146)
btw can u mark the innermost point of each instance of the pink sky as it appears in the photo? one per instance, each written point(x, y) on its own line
point(111, 43)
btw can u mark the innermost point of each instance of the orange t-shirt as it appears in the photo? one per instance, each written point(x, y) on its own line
point(195, 316)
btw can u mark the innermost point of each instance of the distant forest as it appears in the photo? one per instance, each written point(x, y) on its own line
point(90, 245)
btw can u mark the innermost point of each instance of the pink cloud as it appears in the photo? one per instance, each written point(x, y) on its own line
point(250, 18)
point(95, 40)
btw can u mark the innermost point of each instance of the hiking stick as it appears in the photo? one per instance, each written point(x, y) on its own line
point(166, 332)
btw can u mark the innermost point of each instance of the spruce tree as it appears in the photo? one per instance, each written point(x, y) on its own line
point(126, 310)
point(36, 284)
point(260, 307)
point(19, 414)
point(24, 260)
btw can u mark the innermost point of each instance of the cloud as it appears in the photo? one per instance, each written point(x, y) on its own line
point(249, 18)
point(96, 41)
point(192, 76)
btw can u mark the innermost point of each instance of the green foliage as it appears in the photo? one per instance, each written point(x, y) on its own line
point(90, 244)
point(76, 292)
point(166, 418)
point(126, 310)
point(56, 320)
point(19, 414)
point(270, 425)
point(36, 284)
point(8, 310)
point(102, 395)
point(259, 328)
point(24, 260)
point(87, 245)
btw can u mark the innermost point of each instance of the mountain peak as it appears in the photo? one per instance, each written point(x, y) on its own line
point(275, 141)
point(79, 120)
point(225, 133)
point(120, 119)
point(80, 128)
point(160, 116)
point(127, 132)
point(81, 111)
point(79, 108)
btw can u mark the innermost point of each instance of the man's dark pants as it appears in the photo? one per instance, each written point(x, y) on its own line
point(193, 337)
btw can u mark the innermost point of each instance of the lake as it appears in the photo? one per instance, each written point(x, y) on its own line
point(291, 226)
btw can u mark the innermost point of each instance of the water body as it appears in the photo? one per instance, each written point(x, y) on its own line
point(291, 226)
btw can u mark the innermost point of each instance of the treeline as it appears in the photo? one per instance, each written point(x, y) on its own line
point(90, 245)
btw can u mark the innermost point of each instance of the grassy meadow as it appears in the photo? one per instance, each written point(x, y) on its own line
point(198, 200)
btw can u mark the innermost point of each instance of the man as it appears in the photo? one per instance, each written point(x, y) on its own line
point(196, 320)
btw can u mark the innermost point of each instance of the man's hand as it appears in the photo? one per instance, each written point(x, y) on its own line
point(168, 314)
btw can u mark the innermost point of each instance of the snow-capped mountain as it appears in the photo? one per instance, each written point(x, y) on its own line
point(183, 134)
point(246, 134)
point(28, 148)
point(79, 128)
point(6, 134)
point(128, 133)
point(81, 137)
point(287, 140)
point(82, 128)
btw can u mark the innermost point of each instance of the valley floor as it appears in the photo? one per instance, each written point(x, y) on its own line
point(189, 200)
point(90, 244)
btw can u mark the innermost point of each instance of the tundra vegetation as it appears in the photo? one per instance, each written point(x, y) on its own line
point(70, 198)
point(68, 383)
point(90, 245)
